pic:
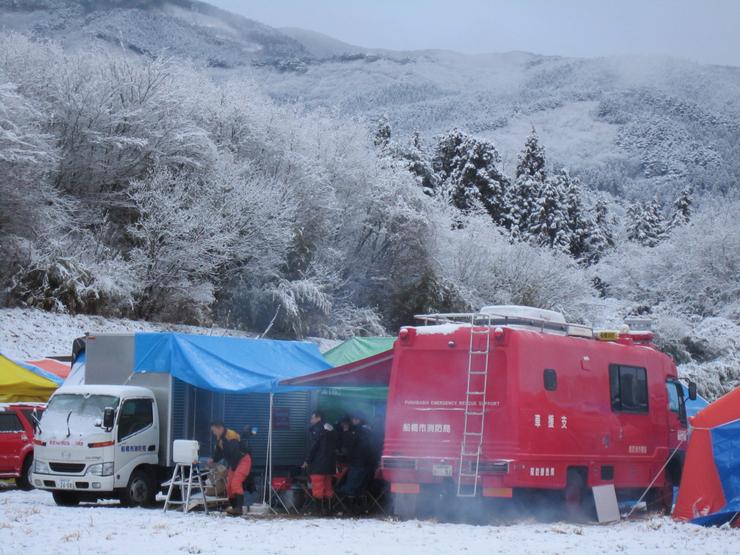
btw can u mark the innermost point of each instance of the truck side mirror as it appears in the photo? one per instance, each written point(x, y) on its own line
point(692, 391)
point(109, 415)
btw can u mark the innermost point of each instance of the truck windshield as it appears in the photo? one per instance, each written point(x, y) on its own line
point(73, 413)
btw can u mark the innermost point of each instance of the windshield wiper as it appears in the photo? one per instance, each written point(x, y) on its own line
point(69, 433)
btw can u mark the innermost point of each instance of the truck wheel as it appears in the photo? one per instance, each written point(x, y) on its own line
point(24, 480)
point(140, 491)
point(66, 498)
point(404, 505)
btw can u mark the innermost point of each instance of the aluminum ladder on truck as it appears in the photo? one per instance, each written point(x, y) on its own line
point(475, 406)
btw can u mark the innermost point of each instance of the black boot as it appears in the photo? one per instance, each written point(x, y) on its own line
point(237, 506)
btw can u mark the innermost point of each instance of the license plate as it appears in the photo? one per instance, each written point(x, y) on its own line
point(65, 484)
point(442, 470)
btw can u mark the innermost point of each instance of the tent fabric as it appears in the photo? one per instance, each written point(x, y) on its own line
point(710, 483)
point(40, 372)
point(226, 364)
point(373, 371)
point(357, 348)
point(77, 373)
point(59, 369)
point(19, 383)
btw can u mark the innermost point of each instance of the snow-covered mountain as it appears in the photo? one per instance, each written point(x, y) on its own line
point(625, 124)
point(180, 28)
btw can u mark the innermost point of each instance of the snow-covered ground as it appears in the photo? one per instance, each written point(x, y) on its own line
point(31, 333)
point(31, 523)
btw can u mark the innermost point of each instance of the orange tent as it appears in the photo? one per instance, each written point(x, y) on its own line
point(59, 369)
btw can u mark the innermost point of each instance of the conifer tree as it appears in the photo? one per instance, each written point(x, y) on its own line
point(532, 158)
point(682, 208)
point(601, 237)
point(419, 163)
point(467, 169)
point(549, 225)
point(645, 223)
point(530, 176)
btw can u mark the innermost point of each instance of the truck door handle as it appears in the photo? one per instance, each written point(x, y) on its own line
point(151, 448)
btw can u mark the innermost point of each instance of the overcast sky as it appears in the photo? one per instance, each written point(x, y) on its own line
point(701, 30)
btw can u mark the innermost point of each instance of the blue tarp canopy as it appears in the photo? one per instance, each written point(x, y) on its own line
point(227, 364)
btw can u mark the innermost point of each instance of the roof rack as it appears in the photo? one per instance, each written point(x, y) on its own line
point(492, 319)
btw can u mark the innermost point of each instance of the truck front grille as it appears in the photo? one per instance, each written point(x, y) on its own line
point(67, 468)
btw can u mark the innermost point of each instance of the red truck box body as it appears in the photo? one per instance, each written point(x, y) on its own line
point(532, 435)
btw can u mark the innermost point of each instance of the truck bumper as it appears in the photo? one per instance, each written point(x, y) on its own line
point(88, 484)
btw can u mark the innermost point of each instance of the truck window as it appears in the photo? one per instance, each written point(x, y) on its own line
point(136, 414)
point(676, 401)
point(551, 379)
point(29, 414)
point(672, 396)
point(628, 388)
point(9, 422)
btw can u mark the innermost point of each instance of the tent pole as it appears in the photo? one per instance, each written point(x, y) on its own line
point(267, 490)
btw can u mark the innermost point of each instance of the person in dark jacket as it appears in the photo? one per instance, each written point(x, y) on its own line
point(228, 448)
point(362, 460)
point(321, 461)
point(345, 439)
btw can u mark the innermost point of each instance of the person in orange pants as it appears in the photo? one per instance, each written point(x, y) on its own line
point(321, 460)
point(239, 463)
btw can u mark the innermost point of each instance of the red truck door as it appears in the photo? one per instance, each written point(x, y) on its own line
point(628, 388)
point(12, 440)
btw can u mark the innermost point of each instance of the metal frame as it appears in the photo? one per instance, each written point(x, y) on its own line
point(492, 319)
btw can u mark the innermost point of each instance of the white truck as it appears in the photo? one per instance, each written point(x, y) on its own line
point(103, 439)
point(112, 437)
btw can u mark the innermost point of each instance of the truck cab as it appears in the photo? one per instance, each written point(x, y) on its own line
point(17, 429)
point(99, 441)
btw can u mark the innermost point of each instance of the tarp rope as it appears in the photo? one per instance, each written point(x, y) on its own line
point(647, 489)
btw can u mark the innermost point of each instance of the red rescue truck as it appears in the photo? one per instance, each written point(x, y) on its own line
point(17, 428)
point(513, 400)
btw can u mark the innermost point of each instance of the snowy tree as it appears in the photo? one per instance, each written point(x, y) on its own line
point(467, 169)
point(521, 198)
point(682, 208)
point(382, 135)
point(550, 225)
point(601, 237)
point(419, 163)
point(532, 159)
point(645, 224)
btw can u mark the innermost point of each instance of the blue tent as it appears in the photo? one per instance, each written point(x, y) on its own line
point(692, 407)
point(227, 364)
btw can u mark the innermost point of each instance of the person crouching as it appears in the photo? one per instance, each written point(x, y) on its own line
point(239, 463)
point(321, 460)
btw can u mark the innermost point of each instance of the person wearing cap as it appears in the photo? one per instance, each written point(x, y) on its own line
point(228, 448)
point(362, 459)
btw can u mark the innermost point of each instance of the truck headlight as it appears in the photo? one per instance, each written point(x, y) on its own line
point(102, 469)
point(40, 467)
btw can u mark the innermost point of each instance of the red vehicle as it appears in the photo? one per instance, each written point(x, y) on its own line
point(17, 427)
point(516, 400)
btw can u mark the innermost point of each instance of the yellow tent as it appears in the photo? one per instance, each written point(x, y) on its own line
point(19, 384)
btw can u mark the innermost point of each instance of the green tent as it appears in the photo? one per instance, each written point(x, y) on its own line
point(352, 350)
point(357, 348)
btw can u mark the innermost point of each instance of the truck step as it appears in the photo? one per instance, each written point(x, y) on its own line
point(478, 352)
point(474, 413)
point(476, 392)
